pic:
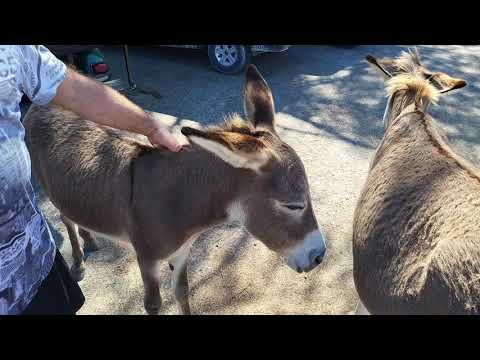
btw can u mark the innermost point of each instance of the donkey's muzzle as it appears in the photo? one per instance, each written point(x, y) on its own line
point(317, 255)
point(310, 253)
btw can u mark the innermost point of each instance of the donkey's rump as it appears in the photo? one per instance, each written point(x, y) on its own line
point(414, 225)
point(72, 156)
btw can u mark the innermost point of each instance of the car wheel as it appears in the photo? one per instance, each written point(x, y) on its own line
point(229, 59)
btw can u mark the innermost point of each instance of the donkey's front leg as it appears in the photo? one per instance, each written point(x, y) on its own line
point(178, 265)
point(151, 284)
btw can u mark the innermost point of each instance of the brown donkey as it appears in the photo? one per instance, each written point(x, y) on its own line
point(104, 181)
point(416, 230)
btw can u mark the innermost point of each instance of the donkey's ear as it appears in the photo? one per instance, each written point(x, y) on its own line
point(258, 100)
point(386, 67)
point(238, 150)
point(446, 83)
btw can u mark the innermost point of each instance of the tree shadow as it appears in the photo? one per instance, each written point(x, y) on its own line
point(348, 104)
point(331, 88)
point(210, 243)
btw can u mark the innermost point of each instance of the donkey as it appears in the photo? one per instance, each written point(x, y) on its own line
point(416, 228)
point(114, 184)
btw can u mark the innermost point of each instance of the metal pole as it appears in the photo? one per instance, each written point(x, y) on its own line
point(127, 64)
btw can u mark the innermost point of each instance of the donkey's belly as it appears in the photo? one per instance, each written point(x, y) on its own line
point(92, 210)
point(122, 236)
point(419, 288)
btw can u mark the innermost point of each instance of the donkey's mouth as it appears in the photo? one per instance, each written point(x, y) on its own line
point(309, 254)
point(316, 262)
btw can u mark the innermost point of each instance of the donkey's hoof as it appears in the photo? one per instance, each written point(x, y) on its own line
point(183, 307)
point(153, 305)
point(153, 310)
point(77, 272)
point(184, 311)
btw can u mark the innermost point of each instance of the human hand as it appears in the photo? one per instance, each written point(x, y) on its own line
point(159, 135)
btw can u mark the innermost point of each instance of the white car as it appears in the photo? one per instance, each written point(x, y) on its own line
point(231, 59)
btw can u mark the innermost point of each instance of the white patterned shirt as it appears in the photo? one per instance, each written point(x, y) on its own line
point(27, 249)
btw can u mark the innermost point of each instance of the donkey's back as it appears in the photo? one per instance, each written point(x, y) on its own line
point(417, 228)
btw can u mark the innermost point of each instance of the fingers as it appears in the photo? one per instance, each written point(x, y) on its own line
point(172, 144)
point(164, 138)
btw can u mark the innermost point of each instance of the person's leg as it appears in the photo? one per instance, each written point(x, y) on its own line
point(58, 294)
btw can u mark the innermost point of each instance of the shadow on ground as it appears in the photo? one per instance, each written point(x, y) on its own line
point(331, 88)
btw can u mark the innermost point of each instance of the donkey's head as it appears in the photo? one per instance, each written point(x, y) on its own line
point(407, 78)
point(409, 63)
point(274, 204)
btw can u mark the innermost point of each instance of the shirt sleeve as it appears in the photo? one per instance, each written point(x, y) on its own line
point(42, 73)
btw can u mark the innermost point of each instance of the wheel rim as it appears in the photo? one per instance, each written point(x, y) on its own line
point(226, 55)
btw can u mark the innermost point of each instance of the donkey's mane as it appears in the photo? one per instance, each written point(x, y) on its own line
point(408, 61)
point(234, 123)
point(411, 78)
point(415, 83)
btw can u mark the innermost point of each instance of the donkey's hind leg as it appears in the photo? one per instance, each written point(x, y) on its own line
point(178, 265)
point(78, 267)
point(89, 242)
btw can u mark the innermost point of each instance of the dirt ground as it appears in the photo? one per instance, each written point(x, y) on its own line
point(329, 108)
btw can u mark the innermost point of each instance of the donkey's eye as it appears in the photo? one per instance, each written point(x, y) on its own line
point(294, 207)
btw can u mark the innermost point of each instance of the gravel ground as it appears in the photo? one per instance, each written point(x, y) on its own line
point(329, 105)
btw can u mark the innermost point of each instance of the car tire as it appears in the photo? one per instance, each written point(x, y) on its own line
point(229, 59)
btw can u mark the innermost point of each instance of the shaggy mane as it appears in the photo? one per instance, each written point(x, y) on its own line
point(411, 78)
point(415, 83)
point(408, 61)
point(234, 123)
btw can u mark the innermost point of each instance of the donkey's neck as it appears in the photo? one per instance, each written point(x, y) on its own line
point(402, 103)
point(398, 103)
point(193, 189)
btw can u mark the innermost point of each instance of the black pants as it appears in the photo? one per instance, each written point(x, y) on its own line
point(58, 294)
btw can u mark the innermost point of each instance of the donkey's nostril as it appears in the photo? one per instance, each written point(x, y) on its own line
point(319, 256)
